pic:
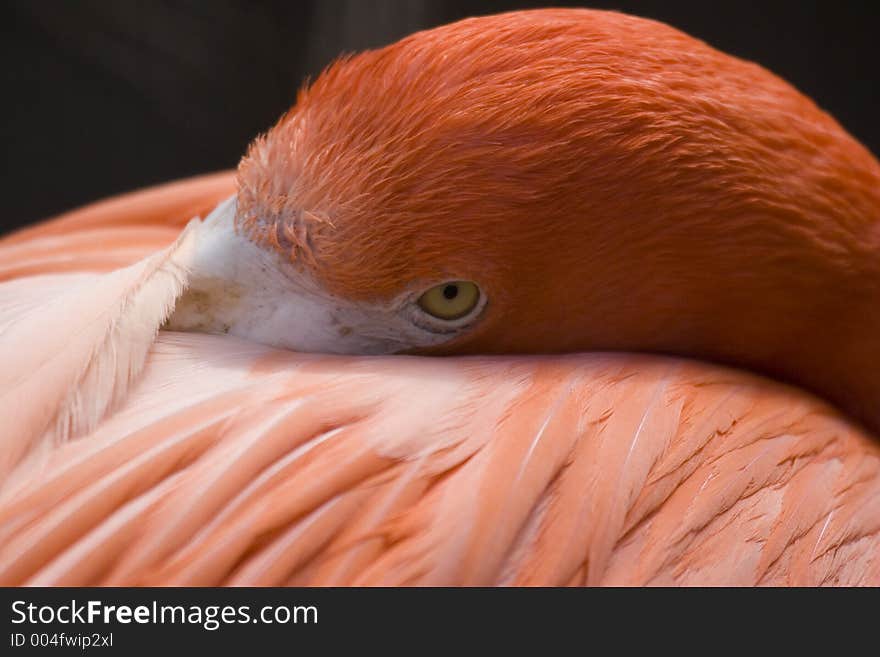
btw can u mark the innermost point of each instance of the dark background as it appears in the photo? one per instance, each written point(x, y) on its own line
point(104, 97)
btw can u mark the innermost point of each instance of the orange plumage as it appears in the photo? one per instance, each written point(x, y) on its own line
point(611, 184)
point(679, 200)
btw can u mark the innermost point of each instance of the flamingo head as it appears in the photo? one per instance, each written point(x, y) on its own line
point(563, 180)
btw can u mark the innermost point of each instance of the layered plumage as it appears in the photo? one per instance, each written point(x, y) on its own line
point(610, 184)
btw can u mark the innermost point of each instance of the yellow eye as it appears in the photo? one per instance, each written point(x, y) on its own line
point(451, 300)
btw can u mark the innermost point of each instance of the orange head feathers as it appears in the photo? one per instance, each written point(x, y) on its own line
point(606, 181)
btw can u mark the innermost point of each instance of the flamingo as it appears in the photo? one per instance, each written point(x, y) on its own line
point(651, 268)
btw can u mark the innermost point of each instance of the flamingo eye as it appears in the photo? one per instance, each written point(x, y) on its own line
point(451, 300)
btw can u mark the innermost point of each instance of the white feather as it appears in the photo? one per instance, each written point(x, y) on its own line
point(69, 359)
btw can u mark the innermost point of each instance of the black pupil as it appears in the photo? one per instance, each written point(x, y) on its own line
point(450, 291)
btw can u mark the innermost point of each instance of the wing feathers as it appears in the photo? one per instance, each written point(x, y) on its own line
point(69, 360)
point(280, 468)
